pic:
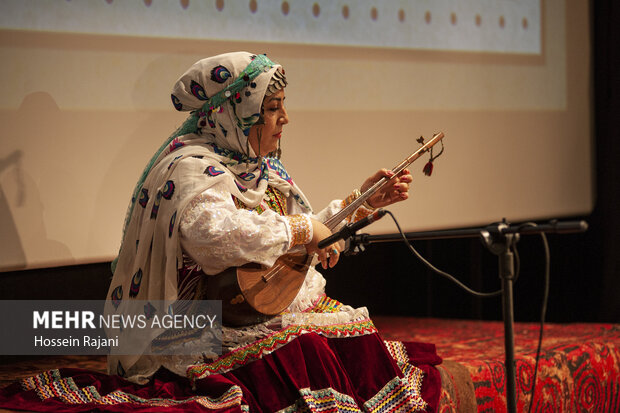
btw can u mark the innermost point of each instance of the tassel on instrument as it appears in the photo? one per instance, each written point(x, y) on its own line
point(428, 168)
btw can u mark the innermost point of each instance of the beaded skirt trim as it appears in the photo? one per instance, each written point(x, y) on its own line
point(272, 342)
point(401, 394)
point(324, 304)
point(50, 384)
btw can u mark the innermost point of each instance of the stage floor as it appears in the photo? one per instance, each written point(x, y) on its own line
point(579, 368)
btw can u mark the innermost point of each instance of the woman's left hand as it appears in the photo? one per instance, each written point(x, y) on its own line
point(395, 191)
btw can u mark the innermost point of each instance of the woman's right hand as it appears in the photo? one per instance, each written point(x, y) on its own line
point(328, 255)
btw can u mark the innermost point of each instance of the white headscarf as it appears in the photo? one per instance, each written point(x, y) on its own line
point(224, 94)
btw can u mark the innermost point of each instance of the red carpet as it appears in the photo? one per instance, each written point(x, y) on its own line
point(579, 368)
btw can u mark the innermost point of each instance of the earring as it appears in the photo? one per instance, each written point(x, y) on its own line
point(279, 150)
point(259, 135)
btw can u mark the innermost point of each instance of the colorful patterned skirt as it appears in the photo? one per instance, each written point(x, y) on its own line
point(301, 368)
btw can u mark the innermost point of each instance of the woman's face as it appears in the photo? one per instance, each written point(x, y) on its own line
point(270, 131)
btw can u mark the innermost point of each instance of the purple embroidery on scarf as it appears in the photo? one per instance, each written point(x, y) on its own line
point(198, 91)
point(236, 156)
point(155, 209)
point(174, 160)
point(134, 288)
point(168, 190)
point(241, 187)
point(300, 201)
point(278, 168)
point(219, 74)
point(144, 198)
point(171, 226)
point(175, 144)
point(212, 171)
point(177, 103)
point(149, 310)
point(117, 296)
point(247, 176)
point(264, 172)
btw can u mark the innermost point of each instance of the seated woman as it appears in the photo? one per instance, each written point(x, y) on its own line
point(217, 196)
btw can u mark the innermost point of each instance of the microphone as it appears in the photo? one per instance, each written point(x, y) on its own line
point(350, 229)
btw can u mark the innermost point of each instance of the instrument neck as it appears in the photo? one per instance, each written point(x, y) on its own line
point(337, 218)
point(340, 216)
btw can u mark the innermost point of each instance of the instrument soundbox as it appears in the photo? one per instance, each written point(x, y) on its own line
point(252, 293)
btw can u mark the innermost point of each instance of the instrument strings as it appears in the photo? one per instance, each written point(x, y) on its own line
point(339, 216)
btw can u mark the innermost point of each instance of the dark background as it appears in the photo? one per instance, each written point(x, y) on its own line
point(585, 268)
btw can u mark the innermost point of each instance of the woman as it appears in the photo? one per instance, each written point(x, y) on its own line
point(217, 196)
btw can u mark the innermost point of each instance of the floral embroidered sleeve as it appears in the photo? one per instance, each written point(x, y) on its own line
point(218, 235)
point(300, 228)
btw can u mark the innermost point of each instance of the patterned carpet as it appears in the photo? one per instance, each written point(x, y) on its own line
point(579, 368)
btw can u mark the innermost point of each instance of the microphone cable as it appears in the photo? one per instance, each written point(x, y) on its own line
point(545, 301)
point(437, 270)
point(543, 310)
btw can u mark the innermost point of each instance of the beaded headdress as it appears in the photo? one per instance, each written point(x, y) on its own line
point(259, 64)
point(226, 113)
point(204, 107)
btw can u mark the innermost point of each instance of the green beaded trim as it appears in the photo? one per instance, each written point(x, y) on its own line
point(259, 64)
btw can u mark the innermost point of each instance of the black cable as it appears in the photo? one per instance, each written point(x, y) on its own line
point(543, 310)
point(438, 271)
point(543, 313)
point(517, 263)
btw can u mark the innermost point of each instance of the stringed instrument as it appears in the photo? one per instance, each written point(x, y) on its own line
point(252, 293)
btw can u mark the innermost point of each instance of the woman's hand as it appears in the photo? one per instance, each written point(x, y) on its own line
point(395, 191)
point(329, 254)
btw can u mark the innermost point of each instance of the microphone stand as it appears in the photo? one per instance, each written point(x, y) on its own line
point(499, 239)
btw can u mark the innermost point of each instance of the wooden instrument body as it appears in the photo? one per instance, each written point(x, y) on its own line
point(252, 294)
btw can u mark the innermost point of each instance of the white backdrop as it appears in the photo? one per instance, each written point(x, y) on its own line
point(83, 106)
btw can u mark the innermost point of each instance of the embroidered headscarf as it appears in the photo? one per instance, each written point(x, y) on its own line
point(224, 96)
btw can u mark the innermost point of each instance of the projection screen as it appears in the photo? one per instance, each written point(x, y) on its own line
point(86, 100)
